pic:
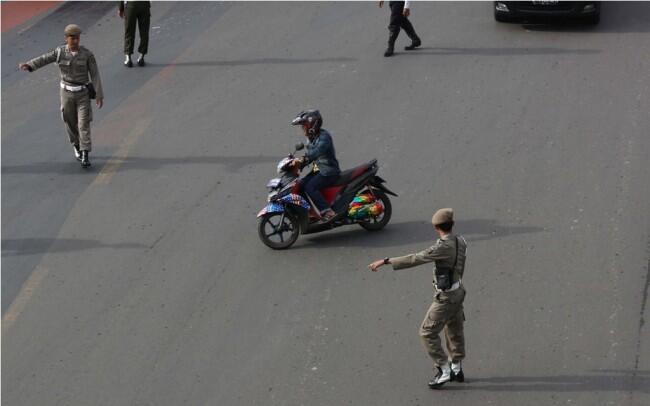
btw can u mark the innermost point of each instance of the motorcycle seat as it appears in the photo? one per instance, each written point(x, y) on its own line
point(346, 176)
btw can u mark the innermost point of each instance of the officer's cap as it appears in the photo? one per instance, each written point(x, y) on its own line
point(72, 29)
point(443, 216)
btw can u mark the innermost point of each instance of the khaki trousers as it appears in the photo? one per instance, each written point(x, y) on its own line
point(446, 313)
point(77, 114)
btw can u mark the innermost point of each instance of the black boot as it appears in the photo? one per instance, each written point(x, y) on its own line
point(457, 374)
point(414, 44)
point(392, 37)
point(410, 31)
point(127, 61)
point(77, 153)
point(141, 61)
point(85, 162)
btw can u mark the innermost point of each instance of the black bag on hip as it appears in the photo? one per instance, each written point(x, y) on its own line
point(91, 91)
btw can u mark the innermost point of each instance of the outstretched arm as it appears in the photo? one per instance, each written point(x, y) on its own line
point(419, 258)
point(39, 62)
point(408, 261)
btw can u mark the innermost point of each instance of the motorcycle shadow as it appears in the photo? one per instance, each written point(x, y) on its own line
point(412, 232)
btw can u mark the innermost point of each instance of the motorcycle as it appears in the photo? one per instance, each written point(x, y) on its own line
point(359, 196)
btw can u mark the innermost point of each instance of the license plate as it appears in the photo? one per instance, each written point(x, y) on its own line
point(545, 2)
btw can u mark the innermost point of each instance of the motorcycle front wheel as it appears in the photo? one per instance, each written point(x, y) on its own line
point(278, 230)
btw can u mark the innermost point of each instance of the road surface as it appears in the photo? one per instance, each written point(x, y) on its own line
point(142, 281)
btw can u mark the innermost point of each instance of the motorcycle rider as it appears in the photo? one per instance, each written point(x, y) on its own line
point(320, 152)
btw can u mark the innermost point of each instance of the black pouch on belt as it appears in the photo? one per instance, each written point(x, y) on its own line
point(444, 275)
point(91, 91)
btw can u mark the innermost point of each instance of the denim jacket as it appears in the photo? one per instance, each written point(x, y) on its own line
point(320, 152)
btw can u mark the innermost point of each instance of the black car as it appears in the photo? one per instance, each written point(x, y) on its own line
point(509, 11)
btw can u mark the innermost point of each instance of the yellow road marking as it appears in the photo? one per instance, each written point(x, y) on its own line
point(23, 297)
point(110, 169)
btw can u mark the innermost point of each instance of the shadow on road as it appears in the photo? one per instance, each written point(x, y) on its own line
point(601, 381)
point(30, 246)
point(232, 164)
point(260, 61)
point(412, 232)
point(440, 51)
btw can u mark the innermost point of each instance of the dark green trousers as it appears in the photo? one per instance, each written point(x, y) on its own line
point(139, 14)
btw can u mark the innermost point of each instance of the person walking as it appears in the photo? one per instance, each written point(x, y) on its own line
point(446, 312)
point(135, 12)
point(399, 19)
point(77, 65)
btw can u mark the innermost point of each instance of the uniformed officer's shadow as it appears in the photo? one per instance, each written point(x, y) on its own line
point(231, 164)
point(414, 232)
point(258, 61)
point(597, 381)
point(32, 246)
point(503, 51)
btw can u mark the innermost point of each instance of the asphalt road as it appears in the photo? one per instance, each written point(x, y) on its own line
point(143, 282)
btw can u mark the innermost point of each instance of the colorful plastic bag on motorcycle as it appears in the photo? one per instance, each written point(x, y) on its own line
point(363, 199)
point(364, 206)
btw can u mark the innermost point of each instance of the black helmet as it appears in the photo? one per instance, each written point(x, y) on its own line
point(310, 119)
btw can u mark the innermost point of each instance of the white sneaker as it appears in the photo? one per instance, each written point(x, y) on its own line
point(77, 153)
point(443, 376)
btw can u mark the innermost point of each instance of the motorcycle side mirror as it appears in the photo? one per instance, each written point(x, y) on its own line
point(300, 146)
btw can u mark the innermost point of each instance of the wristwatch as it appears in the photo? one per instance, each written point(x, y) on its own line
point(386, 261)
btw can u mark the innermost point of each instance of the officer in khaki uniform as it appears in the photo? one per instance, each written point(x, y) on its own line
point(446, 312)
point(77, 65)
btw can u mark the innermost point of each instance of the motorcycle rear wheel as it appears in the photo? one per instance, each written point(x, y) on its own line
point(278, 231)
point(377, 223)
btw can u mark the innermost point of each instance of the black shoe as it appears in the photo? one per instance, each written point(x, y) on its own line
point(127, 62)
point(457, 377)
point(141, 61)
point(85, 162)
point(414, 44)
point(389, 51)
point(77, 153)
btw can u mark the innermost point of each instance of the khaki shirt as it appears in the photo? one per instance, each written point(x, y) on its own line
point(75, 69)
point(443, 252)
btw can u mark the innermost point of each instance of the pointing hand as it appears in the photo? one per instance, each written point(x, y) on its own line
point(375, 265)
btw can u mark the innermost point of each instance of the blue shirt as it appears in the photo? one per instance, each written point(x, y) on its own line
point(320, 151)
